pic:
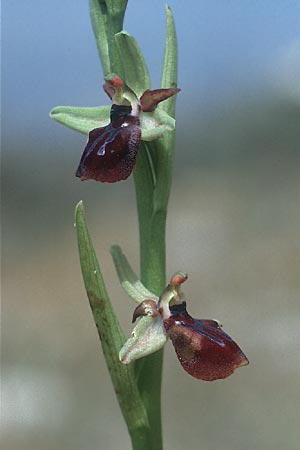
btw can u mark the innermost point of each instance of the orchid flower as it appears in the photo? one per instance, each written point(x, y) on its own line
point(204, 350)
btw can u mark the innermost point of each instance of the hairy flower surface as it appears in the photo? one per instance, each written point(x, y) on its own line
point(110, 152)
point(204, 350)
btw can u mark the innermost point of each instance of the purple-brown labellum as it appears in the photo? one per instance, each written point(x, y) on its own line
point(110, 152)
point(202, 347)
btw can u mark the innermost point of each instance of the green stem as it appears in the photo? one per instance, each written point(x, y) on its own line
point(152, 194)
point(152, 226)
point(152, 176)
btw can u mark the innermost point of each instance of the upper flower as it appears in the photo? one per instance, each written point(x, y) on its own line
point(110, 153)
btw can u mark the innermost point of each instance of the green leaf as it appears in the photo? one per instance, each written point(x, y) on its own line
point(116, 7)
point(169, 73)
point(98, 12)
point(128, 279)
point(110, 333)
point(81, 119)
point(166, 144)
point(107, 19)
point(135, 71)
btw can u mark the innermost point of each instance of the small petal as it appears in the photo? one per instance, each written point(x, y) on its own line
point(204, 350)
point(110, 153)
point(145, 308)
point(150, 99)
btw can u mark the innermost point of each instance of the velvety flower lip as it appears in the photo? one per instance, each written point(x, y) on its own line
point(110, 153)
point(204, 350)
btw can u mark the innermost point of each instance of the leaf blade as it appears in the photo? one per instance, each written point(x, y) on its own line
point(110, 332)
point(169, 72)
point(107, 18)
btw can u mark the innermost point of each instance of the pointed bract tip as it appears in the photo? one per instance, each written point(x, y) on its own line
point(79, 211)
point(79, 207)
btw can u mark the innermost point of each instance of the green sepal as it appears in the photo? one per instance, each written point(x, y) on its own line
point(135, 71)
point(81, 119)
point(148, 336)
point(128, 279)
point(110, 332)
point(155, 124)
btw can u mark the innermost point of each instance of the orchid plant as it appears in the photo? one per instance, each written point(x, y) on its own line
point(136, 134)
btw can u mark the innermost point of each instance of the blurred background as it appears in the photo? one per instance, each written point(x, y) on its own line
point(236, 229)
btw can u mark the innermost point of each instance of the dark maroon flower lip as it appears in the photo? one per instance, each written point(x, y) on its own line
point(204, 350)
point(110, 153)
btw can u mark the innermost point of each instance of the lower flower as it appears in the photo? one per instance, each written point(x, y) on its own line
point(204, 350)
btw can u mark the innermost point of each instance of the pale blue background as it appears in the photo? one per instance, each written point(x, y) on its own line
point(50, 57)
point(233, 223)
